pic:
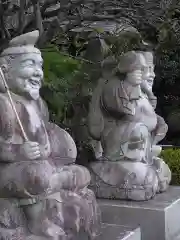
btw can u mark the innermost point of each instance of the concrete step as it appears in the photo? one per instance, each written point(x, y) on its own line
point(114, 232)
point(117, 232)
point(158, 218)
point(177, 237)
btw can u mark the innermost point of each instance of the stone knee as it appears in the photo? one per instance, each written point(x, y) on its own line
point(25, 179)
point(37, 177)
point(80, 176)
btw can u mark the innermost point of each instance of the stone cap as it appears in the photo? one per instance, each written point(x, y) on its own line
point(22, 44)
point(130, 61)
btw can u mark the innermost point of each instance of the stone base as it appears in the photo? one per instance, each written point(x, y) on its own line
point(32, 237)
point(159, 218)
point(114, 232)
point(128, 180)
point(177, 238)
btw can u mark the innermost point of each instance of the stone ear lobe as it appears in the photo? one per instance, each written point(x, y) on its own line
point(4, 68)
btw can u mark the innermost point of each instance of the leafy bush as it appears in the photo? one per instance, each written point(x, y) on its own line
point(172, 158)
point(60, 82)
point(67, 90)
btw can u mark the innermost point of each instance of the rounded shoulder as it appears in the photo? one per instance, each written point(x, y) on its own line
point(62, 144)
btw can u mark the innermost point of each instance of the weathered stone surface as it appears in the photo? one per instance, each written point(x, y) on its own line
point(177, 237)
point(158, 218)
point(114, 232)
point(125, 130)
point(43, 194)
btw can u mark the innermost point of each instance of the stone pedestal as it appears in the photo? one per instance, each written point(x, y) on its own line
point(159, 218)
point(114, 232)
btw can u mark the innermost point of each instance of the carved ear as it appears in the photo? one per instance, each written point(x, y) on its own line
point(4, 68)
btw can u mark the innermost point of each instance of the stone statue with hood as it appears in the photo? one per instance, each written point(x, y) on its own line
point(122, 119)
point(43, 193)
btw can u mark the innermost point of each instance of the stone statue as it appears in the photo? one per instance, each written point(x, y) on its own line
point(43, 194)
point(161, 128)
point(128, 129)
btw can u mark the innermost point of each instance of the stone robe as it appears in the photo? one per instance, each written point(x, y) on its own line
point(26, 183)
point(127, 168)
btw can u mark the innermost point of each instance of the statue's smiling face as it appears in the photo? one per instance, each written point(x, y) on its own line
point(27, 74)
point(148, 73)
point(136, 67)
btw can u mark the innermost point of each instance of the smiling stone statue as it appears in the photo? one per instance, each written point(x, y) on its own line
point(43, 194)
point(123, 121)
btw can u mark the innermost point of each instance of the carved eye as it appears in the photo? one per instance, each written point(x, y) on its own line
point(28, 63)
point(144, 69)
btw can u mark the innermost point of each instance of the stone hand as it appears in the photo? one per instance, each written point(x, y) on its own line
point(30, 150)
point(153, 101)
point(156, 150)
point(145, 88)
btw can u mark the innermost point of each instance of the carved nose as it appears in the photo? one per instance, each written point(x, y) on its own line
point(152, 74)
point(38, 73)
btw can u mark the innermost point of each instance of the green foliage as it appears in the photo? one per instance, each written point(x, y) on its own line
point(172, 158)
point(66, 89)
point(167, 85)
point(60, 84)
point(168, 50)
point(125, 42)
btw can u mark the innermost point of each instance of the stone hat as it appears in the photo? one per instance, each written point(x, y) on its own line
point(22, 44)
point(130, 61)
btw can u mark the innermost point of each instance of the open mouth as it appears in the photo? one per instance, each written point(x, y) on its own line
point(35, 82)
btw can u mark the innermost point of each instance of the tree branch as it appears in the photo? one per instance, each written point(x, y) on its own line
point(38, 17)
point(65, 8)
point(21, 16)
point(5, 31)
